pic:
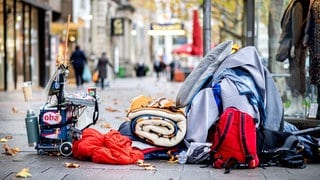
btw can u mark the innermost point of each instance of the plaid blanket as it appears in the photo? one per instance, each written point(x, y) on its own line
point(158, 122)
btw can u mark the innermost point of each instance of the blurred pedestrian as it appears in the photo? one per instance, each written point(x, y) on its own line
point(174, 65)
point(78, 61)
point(158, 66)
point(141, 69)
point(102, 68)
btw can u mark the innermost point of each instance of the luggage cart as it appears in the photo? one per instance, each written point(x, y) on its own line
point(59, 116)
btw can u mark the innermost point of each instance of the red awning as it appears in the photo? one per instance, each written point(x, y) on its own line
point(183, 49)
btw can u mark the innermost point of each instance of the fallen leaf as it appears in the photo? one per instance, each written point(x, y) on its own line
point(140, 161)
point(111, 109)
point(8, 137)
point(10, 151)
point(146, 166)
point(106, 125)
point(54, 154)
point(150, 168)
point(24, 173)
point(15, 150)
point(71, 165)
point(14, 110)
point(3, 140)
point(172, 158)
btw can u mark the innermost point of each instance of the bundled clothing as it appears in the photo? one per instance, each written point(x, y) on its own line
point(244, 83)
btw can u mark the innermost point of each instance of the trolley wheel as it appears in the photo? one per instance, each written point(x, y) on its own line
point(65, 148)
point(40, 151)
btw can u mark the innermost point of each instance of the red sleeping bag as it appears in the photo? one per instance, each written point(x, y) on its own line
point(109, 148)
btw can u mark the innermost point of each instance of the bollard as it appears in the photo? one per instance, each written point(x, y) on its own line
point(32, 128)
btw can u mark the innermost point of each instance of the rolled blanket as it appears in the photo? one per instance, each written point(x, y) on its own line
point(158, 122)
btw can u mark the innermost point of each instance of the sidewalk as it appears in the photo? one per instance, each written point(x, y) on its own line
point(114, 101)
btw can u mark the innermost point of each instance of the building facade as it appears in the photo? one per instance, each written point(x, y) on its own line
point(33, 31)
point(24, 42)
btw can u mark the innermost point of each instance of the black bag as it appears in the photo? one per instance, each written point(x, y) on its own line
point(277, 148)
point(284, 49)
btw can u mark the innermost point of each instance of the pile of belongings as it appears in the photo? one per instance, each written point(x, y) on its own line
point(243, 82)
point(160, 128)
point(155, 126)
point(240, 80)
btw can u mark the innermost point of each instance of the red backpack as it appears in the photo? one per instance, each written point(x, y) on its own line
point(234, 140)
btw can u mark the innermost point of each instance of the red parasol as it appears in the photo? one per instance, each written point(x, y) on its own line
point(197, 45)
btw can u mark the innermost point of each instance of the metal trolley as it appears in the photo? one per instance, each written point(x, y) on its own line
point(59, 116)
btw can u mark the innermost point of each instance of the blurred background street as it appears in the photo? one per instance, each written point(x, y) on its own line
point(136, 35)
point(115, 99)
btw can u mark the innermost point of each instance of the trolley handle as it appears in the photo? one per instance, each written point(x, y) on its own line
point(95, 114)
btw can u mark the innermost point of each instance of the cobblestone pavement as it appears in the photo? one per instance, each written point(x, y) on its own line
point(114, 101)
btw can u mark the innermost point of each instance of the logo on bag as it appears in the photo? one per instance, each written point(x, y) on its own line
point(51, 118)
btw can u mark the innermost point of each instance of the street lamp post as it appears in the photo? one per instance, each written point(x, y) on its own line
point(249, 10)
point(206, 26)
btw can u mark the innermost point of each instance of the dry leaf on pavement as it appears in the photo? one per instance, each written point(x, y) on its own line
point(111, 109)
point(71, 165)
point(10, 151)
point(3, 140)
point(146, 166)
point(173, 158)
point(8, 137)
point(106, 125)
point(150, 168)
point(24, 173)
point(15, 110)
point(54, 154)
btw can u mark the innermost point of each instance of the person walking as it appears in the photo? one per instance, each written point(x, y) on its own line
point(158, 66)
point(174, 65)
point(78, 61)
point(103, 61)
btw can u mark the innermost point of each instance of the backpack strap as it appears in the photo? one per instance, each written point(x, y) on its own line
point(249, 157)
point(224, 133)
